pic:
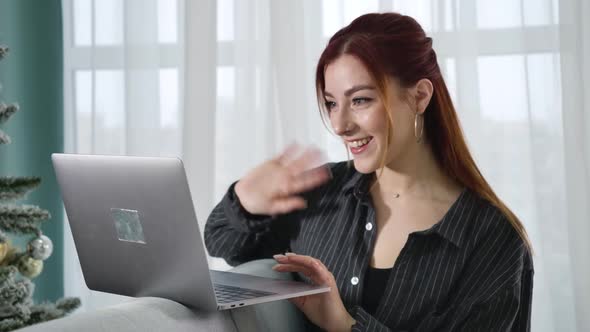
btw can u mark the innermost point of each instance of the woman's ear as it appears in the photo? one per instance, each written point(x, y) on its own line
point(422, 93)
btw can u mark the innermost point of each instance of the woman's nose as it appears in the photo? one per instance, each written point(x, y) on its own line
point(341, 123)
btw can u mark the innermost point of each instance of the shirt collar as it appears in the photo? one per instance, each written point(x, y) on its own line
point(453, 225)
point(358, 183)
point(455, 222)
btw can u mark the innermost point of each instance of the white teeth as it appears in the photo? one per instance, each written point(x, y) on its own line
point(359, 143)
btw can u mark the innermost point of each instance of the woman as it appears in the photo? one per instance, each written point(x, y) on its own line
point(410, 238)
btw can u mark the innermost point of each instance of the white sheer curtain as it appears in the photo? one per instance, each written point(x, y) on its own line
point(124, 65)
point(233, 83)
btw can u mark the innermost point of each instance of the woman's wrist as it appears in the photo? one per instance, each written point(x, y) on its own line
point(237, 191)
point(238, 196)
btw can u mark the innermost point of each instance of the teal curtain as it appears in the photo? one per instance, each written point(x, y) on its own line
point(32, 76)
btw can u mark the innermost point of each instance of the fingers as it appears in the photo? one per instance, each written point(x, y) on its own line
point(285, 199)
point(293, 268)
point(286, 205)
point(303, 170)
point(312, 275)
point(289, 154)
point(309, 158)
point(305, 181)
point(298, 159)
point(309, 266)
point(297, 176)
point(324, 276)
point(310, 179)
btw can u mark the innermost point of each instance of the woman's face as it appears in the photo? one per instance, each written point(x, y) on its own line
point(358, 115)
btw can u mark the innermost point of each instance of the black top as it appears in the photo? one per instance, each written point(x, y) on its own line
point(470, 271)
point(373, 287)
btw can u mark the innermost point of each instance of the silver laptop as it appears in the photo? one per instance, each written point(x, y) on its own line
point(136, 234)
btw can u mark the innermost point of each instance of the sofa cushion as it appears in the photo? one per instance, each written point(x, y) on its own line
point(157, 314)
point(142, 314)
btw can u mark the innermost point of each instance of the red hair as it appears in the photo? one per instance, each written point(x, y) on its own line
point(394, 46)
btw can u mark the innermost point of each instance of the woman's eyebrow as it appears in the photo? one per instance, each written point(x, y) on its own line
point(352, 90)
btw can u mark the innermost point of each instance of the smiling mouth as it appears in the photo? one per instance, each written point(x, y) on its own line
point(359, 143)
point(359, 146)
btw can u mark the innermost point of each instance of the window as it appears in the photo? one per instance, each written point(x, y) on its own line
point(108, 81)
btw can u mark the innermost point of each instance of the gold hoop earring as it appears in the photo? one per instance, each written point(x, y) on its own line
point(417, 133)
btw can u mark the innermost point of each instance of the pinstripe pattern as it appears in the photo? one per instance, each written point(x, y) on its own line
point(469, 272)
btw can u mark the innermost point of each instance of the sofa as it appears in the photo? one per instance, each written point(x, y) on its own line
point(158, 314)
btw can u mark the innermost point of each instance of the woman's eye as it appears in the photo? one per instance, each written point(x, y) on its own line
point(329, 105)
point(360, 100)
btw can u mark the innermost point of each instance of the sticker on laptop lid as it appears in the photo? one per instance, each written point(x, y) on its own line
point(128, 225)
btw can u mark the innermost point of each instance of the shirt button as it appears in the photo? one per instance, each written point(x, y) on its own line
point(354, 281)
point(369, 226)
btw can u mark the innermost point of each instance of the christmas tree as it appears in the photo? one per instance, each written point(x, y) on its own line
point(18, 267)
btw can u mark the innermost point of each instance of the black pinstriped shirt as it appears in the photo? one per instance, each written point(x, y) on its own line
point(469, 272)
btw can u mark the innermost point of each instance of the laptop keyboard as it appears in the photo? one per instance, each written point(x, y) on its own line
point(226, 294)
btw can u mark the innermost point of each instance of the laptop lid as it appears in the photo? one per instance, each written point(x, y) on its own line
point(134, 227)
